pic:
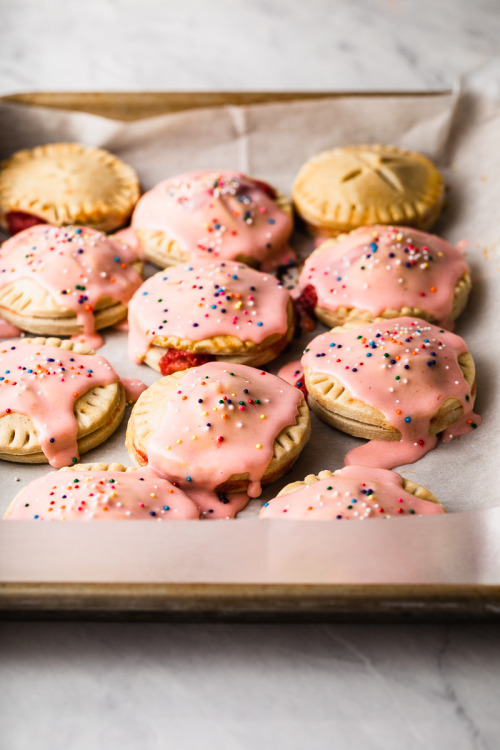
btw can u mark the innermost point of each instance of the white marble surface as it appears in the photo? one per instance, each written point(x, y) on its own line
point(129, 686)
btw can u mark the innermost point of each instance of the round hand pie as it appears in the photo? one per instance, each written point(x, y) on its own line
point(219, 215)
point(352, 493)
point(385, 272)
point(337, 191)
point(212, 310)
point(397, 383)
point(63, 281)
point(57, 399)
point(217, 430)
point(66, 183)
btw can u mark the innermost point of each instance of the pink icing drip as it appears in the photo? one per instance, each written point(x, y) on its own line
point(44, 383)
point(379, 268)
point(192, 303)
point(129, 237)
point(122, 326)
point(89, 338)
point(76, 265)
point(228, 433)
point(102, 496)
point(355, 493)
point(7, 330)
point(406, 368)
point(223, 214)
point(133, 389)
point(292, 372)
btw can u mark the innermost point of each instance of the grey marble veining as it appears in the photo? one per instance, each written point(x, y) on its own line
point(244, 686)
point(277, 44)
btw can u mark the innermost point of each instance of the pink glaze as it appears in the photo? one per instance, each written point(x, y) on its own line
point(378, 268)
point(133, 389)
point(213, 298)
point(8, 331)
point(102, 496)
point(219, 214)
point(44, 383)
point(128, 236)
point(406, 368)
point(222, 420)
point(355, 493)
point(122, 326)
point(76, 265)
point(292, 372)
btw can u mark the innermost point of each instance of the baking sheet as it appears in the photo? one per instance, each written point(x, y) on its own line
point(460, 132)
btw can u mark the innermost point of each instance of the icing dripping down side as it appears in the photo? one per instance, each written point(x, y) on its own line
point(133, 389)
point(8, 331)
point(202, 301)
point(219, 214)
point(378, 268)
point(34, 378)
point(405, 368)
point(222, 421)
point(79, 267)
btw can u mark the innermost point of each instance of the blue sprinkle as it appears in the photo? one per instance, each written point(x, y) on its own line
point(407, 419)
point(166, 507)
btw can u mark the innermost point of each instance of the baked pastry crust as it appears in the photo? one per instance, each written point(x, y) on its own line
point(336, 406)
point(412, 487)
point(69, 183)
point(148, 413)
point(339, 190)
point(98, 413)
point(164, 251)
point(28, 306)
point(344, 314)
point(225, 348)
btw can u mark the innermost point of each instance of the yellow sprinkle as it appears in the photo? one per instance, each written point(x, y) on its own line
point(233, 395)
point(152, 494)
point(205, 413)
point(112, 494)
point(167, 448)
point(399, 237)
point(239, 305)
point(262, 416)
point(194, 437)
point(258, 446)
point(178, 441)
point(214, 409)
point(440, 254)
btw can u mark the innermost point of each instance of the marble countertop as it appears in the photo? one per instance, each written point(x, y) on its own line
point(148, 686)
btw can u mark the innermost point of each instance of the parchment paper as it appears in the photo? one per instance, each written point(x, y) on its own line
point(460, 131)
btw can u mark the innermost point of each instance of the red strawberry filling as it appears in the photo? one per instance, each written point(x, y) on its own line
point(266, 188)
point(304, 308)
point(175, 359)
point(19, 220)
point(300, 384)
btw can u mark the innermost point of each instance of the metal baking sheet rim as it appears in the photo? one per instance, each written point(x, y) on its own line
point(441, 566)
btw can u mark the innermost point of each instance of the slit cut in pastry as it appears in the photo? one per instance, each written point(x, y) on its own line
point(339, 190)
